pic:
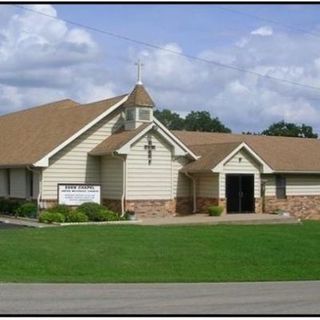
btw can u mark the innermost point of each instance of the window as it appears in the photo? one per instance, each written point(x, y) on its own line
point(130, 114)
point(144, 114)
point(280, 187)
point(29, 184)
point(8, 182)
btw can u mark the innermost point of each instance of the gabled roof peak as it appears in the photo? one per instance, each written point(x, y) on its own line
point(139, 97)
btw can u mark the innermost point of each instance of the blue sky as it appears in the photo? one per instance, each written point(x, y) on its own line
point(44, 59)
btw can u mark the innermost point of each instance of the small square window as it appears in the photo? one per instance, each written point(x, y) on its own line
point(144, 114)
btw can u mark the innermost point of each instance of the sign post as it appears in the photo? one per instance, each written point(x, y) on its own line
point(77, 194)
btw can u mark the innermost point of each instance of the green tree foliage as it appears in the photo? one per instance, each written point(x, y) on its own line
point(202, 121)
point(194, 121)
point(171, 120)
point(289, 129)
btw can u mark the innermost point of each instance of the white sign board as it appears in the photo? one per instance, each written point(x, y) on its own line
point(76, 194)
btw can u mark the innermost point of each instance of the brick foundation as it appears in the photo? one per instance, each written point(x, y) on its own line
point(151, 208)
point(258, 205)
point(203, 203)
point(112, 204)
point(183, 205)
point(305, 207)
point(48, 203)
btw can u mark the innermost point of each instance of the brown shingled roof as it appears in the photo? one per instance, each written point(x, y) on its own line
point(139, 97)
point(116, 141)
point(280, 153)
point(28, 135)
point(211, 155)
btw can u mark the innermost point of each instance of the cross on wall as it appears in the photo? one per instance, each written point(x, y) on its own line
point(149, 147)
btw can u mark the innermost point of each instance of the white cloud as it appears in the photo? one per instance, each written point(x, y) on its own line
point(241, 100)
point(263, 31)
point(43, 59)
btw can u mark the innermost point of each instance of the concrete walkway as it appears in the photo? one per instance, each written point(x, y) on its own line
point(24, 222)
point(199, 218)
point(204, 218)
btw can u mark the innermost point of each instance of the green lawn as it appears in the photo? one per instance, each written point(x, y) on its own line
point(161, 254)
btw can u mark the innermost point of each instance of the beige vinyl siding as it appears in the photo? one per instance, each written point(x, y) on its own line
point(146, 181)
point(181, 183)
point(241, 163)
point(111, 177)
point(207, 185)
point(270, 185)
point(72, 164)
point(18, 183)
point(297, 185)
point(3, 183)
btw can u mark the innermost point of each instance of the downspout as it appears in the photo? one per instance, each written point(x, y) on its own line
point(194, 191)
point(124, 178)
point(40, 188)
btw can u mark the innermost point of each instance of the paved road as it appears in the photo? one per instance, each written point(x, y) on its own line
point(221, 298)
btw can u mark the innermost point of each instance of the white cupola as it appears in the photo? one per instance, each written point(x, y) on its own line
point(139, 106)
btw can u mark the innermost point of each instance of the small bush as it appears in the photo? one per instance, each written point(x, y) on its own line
point(75, 216)
point(28, 209)
point(96, 212)
point(49, 217)
point(61, 208)
point(215, 211)
point(10, 206)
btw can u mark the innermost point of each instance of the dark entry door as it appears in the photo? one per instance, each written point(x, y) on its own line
point(240, 193)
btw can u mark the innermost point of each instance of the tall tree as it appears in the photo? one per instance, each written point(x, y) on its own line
point(202, 121)
point(171, 120)
point(289, 129)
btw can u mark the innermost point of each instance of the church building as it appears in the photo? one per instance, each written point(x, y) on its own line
point(142, 166)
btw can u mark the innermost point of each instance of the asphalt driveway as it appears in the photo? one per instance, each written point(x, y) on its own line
point(208, 298)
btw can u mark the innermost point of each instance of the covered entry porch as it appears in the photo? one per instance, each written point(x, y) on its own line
point(234, 182)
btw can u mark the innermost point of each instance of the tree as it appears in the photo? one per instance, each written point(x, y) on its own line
point(202, 121)
point(289, 129)
point(171, 120)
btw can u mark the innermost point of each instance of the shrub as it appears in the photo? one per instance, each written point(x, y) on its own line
point(75, 216)
point(61, 208)
point(10, 206)
point(111, 216)
point(28, 209)
point(215, 211)
point(49, 217)
point(96, 212)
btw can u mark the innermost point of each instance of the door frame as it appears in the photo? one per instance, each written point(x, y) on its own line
point(240, 190)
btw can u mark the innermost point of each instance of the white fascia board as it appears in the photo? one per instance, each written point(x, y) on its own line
point(265, 168)
point(44, 162)
point(178, 151)
point(175, 139)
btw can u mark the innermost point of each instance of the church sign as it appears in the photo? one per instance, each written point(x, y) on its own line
point(76, 194)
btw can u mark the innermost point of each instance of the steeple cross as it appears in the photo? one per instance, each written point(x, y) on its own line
point(139, 64)
point(149, 147)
